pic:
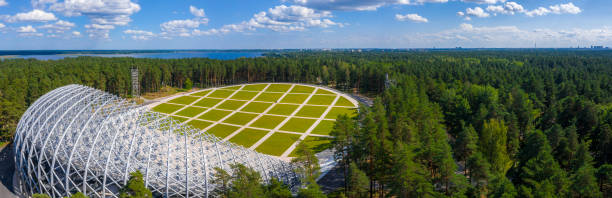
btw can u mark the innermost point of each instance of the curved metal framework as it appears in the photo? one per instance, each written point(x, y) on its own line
point(79, 139)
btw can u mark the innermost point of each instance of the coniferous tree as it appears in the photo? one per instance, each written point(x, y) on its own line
point(135, 187)
point(358, 182)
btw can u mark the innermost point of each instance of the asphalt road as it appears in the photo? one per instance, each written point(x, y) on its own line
point(7, 169)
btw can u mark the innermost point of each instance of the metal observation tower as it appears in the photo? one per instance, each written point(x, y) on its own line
point(79, 139)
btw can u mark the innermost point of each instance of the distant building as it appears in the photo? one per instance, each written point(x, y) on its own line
point(597, 47)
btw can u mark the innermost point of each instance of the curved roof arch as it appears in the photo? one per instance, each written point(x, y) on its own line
point(79, 139)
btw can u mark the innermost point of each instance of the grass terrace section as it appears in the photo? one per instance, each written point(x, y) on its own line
point(324, 127)
point(244, 95)
point(184, 100)
point(201, 93)
point(256, 107)
point(321, 100)
point(222, 130)
point(207, 102)
point(268, 122)
point(311, 111)
point(268, 97)
point(214, 115)
point(283, 109)
point(278, 88)
point(167, 108)
point(257, 87)
point(248, 137)
point(336, 111)
point(277, 143)
point(220, 93)
point(317, 144)
point(238, 111)
point(191, 111)
point(294, 98)
point(298, 125)
point(302, 89)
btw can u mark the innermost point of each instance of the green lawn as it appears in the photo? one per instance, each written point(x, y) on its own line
point(302, 89)
point(244, 95)
point(294, 98)
point(283, 109)
point(268, 97)
point(256, 107)
point(240, 118)
point(214, 115)
point(179, 119)
point(248, 137)
point(298, 125)
point(336, 111)
point(277, 143)
point(222, 130)
point(342, 101)
point(191, 111)
point(167, 108)
point(184, 100)
point(220, 93)
point(268, 122)
point(278, 88)
point(317, 144)
point(311, 111)
point(321, 100)
point(207, 102)
point(324, 127)
point(231, 104)
point(201, 93)
point(199, 124)
point(323, 91)
point(232, 87)
point(257, 87)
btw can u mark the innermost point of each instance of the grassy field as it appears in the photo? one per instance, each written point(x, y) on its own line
point(191, 111)
point(248, 137)
point(298, 125)
point(217, 111)
point(277, 143)
point(283, 109)
point(294, 98)
point(184, 100)
point(268, 122)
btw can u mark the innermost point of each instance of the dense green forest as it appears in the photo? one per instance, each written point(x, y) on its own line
point(489, 123)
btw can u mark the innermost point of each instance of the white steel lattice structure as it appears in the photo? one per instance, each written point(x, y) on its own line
point(79, 139)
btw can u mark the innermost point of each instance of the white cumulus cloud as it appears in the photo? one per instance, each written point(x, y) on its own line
point(139, 34)
point(281, 18)
point(568, 8)
point(197, 12)
point(103, 13)
point(3, 3)
point(35, 15)
point(76, 33)
point(411, 17)
point(509, 8)
point(485, 1)
point(2, 25)
point(474, 12)
point(183, 27)
point(58, 27)
point(26, 29)
point(357, 5)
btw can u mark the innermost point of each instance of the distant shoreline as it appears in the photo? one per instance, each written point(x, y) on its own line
point(7, 56)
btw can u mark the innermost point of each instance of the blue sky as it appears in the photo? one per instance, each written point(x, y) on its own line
point(273, 24)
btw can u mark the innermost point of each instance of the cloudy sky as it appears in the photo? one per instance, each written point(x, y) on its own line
point(270, 24)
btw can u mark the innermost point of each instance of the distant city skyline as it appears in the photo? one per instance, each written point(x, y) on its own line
point(294, 24)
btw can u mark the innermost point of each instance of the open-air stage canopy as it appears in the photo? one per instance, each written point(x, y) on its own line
point(79, 139)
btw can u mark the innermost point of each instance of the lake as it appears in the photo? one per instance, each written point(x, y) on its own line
point(221, 55)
